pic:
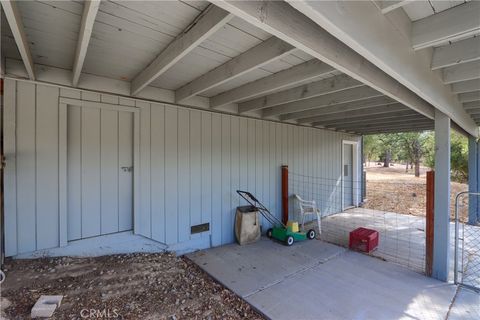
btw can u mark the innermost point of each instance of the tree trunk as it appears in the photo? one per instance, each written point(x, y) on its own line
point(417, 153)
point(386, 162)
point(406, 168)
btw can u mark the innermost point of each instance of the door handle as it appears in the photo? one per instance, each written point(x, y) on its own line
point(126, 169)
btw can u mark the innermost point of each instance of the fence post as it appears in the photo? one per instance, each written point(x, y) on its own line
point(285, 194)
point(429, 229)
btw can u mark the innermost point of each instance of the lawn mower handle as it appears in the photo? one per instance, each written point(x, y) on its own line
point(251, 196)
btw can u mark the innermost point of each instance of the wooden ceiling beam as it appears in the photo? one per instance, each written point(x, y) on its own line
point(209, 21)
point(90, 10)
point(14, 19)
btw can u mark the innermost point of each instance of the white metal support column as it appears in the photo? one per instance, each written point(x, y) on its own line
point(441, 240)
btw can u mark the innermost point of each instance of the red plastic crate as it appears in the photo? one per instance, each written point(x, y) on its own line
point(363, 239)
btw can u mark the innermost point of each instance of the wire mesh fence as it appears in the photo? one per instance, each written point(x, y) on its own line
point(467, 240)
point(395, 209)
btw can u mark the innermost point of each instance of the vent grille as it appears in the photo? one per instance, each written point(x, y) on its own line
point(200, 228)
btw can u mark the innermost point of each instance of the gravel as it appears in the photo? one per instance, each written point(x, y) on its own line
point(133, 286)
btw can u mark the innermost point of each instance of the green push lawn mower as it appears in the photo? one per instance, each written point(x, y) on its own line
point(280, 231)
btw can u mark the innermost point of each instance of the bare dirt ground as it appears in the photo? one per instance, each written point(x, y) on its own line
point(392, 189)
point(133, 286)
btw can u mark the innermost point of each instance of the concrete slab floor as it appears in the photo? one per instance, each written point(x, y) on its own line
point(251, 268)
point(466, 305)
point(317, 280)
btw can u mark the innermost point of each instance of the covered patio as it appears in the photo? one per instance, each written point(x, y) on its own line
point(316, 279)
point(143, 118)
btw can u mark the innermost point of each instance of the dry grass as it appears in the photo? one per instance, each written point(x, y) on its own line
point(394, 190)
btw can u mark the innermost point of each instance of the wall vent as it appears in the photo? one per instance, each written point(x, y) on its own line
point(200, 228)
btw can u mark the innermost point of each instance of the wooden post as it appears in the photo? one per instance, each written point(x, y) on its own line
point(430, 200)
point(285, 194)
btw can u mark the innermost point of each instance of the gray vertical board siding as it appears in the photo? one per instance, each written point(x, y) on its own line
point(191, 164)
point(226, 225)
point(26, 167)
point(74, 172)
point(195, 201)
point(251, 156)
point(216, 218)
point(266, 182)
point(271, 164)
point(183, 216)
point(125, 179)
point(10, 176)
point(109, 171)
point(90, 176)
point(243, 155)
point(145, 171)
point(62, 174)
point(47, 167)
point(259, 163)
point(277, 170)
point(206, 170)
point(171, 175)
point(234, 170)
point(157, 151)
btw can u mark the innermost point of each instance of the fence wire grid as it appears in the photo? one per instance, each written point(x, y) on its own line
point(395, 209)
point(467, 242)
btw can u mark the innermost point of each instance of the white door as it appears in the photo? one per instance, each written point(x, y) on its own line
point(99, 171)
point(347, 175)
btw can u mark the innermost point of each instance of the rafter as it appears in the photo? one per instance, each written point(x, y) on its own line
point(470, 106)
point(334, 84)
point(466, 86)
point(267, 51)
point(210, 21)
point(428, 127)
point(347, 106)
point(409, 114)
point(286, 22)
point(297, 74)
point(14, 19)
point(90, 9)
point(459, 52)
point(469, 96)
point(384, 124)
point(322, 101)
point(449, 25)
point(393, 109)
point(387, 48)
point(462, 72)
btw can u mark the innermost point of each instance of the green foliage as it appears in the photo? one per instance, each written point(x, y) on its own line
point(370, 148)
point(388, 147)
point(411, 146)
point(458, 155)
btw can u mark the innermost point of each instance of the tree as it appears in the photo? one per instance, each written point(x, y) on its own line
point(388, 145)
point(413, 144)
point(370, 148)
point(458, 155)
